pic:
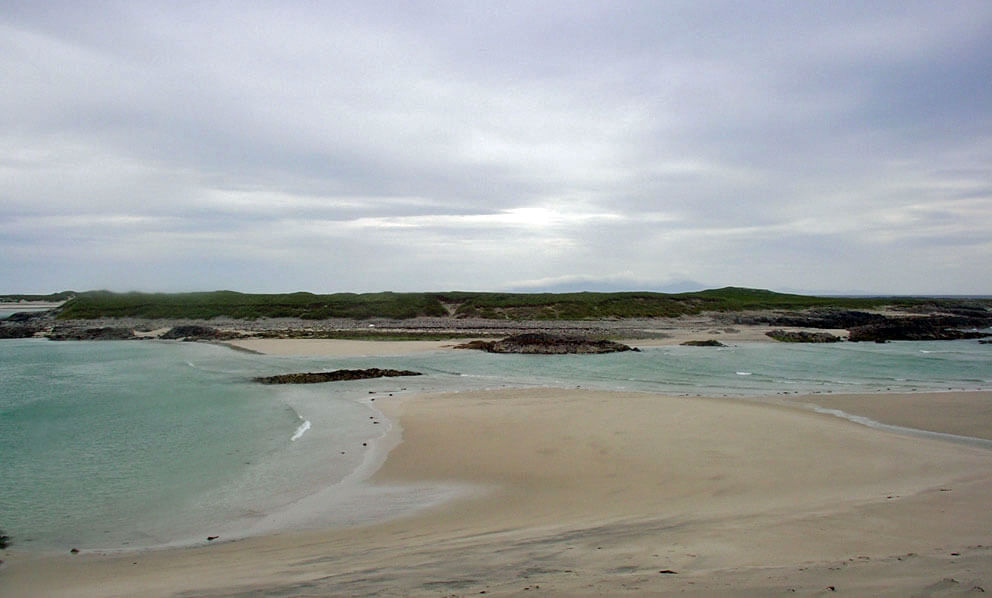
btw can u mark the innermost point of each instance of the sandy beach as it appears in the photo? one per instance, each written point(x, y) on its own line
point(595, 493)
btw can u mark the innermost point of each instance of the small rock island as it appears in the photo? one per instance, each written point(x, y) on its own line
point(336, 375)
point(547, 344)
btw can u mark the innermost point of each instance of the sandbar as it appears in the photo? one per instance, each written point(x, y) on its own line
point(322, 346)
point(594, 493)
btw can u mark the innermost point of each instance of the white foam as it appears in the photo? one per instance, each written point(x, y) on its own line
point(300, 431)
point(871, 423)
point(743, 373)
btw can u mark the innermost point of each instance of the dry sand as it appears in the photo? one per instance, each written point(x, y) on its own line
point(603, 494)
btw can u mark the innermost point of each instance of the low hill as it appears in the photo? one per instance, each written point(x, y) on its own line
point(501, 306)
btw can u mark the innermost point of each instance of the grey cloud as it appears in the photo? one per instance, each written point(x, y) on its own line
point(425, 142)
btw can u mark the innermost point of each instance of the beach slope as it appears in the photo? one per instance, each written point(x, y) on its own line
point(574, 492)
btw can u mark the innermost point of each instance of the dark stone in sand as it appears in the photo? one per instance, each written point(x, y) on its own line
point(547, 344)
point(212, 538)
point(929, 328)
point(802, 336)
point(316, 377)
point(74, 551)
point(4, 540)
point(707, 343)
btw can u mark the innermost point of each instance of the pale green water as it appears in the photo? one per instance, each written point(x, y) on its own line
point(135, 443)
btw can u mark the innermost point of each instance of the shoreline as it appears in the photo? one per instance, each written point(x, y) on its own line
point(966, 414)
point(592, 492)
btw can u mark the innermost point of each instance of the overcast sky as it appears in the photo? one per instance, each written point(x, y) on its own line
point(363, 146)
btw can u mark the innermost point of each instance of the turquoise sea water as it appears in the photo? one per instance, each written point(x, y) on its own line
point(129, 444)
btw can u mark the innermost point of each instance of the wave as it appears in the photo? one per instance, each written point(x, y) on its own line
point(301, 430)
point(871, 423)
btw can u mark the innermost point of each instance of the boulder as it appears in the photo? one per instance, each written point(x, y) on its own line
point(193, 333)
point(802, 336)
point(706, 343)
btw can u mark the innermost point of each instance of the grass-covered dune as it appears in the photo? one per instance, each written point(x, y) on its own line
point(509, 306)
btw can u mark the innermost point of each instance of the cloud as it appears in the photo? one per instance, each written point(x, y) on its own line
point(265, 146)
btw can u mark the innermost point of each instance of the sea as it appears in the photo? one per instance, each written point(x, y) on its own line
point(121, 445)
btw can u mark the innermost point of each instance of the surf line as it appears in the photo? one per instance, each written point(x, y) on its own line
point(301, 430)
point(865, 421)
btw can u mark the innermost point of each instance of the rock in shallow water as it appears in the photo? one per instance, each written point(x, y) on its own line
point(317, 377)
point(547, 344)
point(802, 336)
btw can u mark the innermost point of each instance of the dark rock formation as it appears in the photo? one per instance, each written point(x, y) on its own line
point(478, 345)
point(915, 329)
point(17, 331)
point(802, 336)
point(194, 333)
point(547, 344)
point(27, 316)
point(707, 343)
point(92, 334)
point(814, 318)
point(4, 540)
point(316, 377)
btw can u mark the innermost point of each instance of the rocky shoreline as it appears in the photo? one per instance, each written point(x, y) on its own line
point(862, 326)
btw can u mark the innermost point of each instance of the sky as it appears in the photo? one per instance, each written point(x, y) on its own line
point(816, 146)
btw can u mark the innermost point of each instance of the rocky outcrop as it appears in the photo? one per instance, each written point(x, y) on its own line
point(706, 343)
point(92, 334)
point(27, 316)
point(547, 344)
point(17, 331)
point(930, 328)
point(196, 333)
point(337, 375)
point(814, 318)
point(802, 336)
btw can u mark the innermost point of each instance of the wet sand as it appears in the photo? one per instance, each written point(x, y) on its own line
point(958, 413)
